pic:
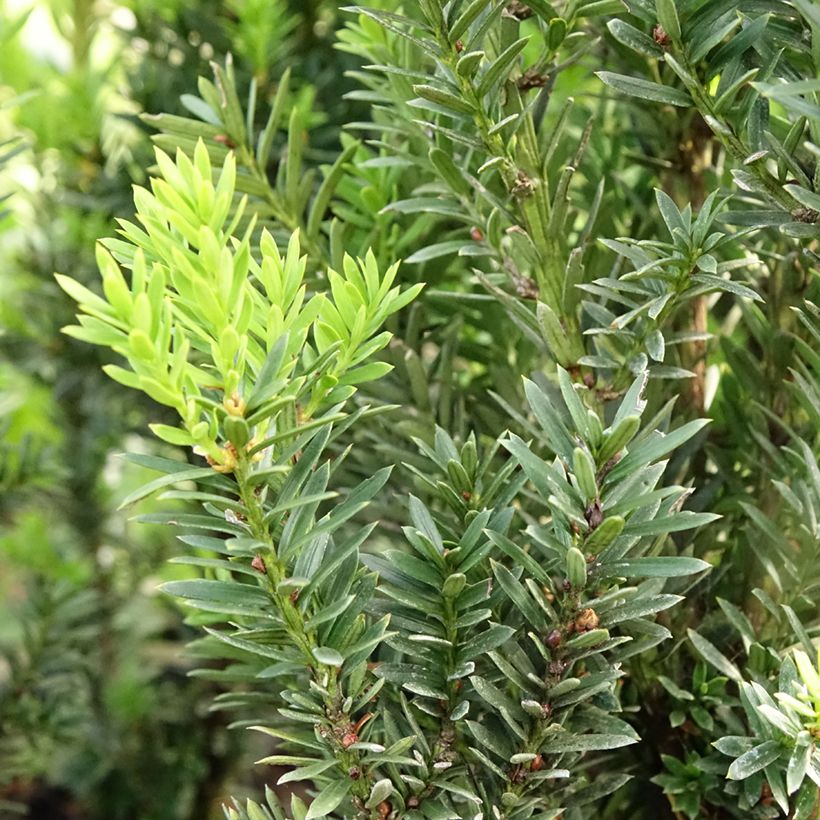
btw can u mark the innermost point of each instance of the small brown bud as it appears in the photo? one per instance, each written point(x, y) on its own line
point(660, 36)
point(519, 10)
point(537, 764)
point(554, 639)
point(587, 619)
point(807, 215)
point(224, 139)
point(516, 774)
point(412, 801)
point(258, 564)
point(523, 186)
point(525, 287)
point(476, 234)
point(594, 514)
point(349, 739)
point(532, 79)
point(556, 668)
point(459, 46)
point(384, 809)
point(354, 772)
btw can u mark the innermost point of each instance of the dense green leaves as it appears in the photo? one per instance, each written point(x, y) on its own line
point(602, 411)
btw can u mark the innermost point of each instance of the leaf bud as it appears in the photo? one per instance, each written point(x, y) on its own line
point(617, 438)
point(576, 568)
point(587, 639)
point(604, 534)
point(584, 469)
point(453, 585)
point(532, 708)
point(557, 32)
point(458, 476)
point(199, 432)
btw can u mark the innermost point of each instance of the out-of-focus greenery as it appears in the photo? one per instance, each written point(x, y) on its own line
point(97, 715)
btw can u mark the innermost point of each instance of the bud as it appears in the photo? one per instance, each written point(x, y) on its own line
point(234, 404)
point(584, 469)
point(199, 432)
point(557, 32)
point(236, 431)
point(619, 437)
point(458, 476)
point(576, 568)
point(596, 431)
point(553, 332)
point(588, 639)
point(532, 708)
point(553, 640)
point(604, 534)
point(453, 585)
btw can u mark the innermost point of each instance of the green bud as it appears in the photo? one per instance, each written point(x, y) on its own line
point(584, 469)
point(229, 343)
point(237, 431)
point(587, 639)
point(454, 584)
point(468, 63)
point(557, 32)
point(458, 476)
point(554, 332)
point(199, 432)
point(668, 18)
point(232, 382)
point(576, 568)
point(533, 708)
point(616, 439)
point(469, 458)
point(604, 534)
point(509, 800)
point(446, 167)
point(596, 431)
point(564, 686)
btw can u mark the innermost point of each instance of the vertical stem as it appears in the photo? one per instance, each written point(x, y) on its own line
point(341, 724)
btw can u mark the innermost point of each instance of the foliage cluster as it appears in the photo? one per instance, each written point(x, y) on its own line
point(588, 585)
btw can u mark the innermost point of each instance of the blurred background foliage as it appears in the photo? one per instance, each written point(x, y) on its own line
point(97, 716)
